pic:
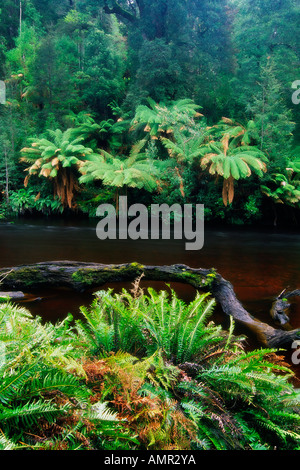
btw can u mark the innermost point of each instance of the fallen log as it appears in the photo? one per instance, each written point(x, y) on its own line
point(12, 295)
point(280, 307)
point(82, 276)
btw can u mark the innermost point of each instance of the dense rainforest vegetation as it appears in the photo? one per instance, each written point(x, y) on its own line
point(165, 101)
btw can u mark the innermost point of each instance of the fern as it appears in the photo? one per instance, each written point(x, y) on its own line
point(30, 412)
point(176, 381)
point(53, 380)
point(10, 385)
point(7, 444)
point(175, 327)
point(160, 118)
point(56, 159)
point(151, 322)
point(135, 171)
point(277, 430)
point(154, 391)
point(101, 412)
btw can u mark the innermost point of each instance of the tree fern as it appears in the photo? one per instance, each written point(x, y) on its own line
point(240, 134)
point(55, 380)
point(275, 427)
point(179, 380)
point(135, 171)
point(247, 376)
point(57, 159)
point(160, 118)
point(232, 163)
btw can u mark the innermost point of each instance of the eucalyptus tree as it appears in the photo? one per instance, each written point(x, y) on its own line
point(265, 30)
point(170, 40)
point(273, 118)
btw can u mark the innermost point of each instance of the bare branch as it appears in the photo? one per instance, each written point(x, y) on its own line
point(118, 10)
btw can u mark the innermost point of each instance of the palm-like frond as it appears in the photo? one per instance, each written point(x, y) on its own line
point(232, 163)
point(57, 159)
point(135, 171)
point(239, 134)
point(186, 147)
point(161, 118)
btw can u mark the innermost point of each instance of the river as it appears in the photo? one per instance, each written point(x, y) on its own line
point(259, 263)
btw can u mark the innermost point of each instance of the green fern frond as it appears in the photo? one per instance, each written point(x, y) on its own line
point(7, 444)
point(10, 385)
point(101, 412)
point(30, 412)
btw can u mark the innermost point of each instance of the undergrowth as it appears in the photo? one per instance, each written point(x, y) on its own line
point(140, 370)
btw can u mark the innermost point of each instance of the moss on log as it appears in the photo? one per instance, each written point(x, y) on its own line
point(81, 276)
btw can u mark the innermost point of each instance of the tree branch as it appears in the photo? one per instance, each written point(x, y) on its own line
point(118, 10)
point(280, 307)
point(141, 6)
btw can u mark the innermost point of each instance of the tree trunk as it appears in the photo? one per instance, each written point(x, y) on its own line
point(81, 276)
point(6, 176)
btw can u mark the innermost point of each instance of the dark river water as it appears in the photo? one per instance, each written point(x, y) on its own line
point(259, 264)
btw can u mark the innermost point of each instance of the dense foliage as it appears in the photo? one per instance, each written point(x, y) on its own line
point(140, 371)
point(166, 100)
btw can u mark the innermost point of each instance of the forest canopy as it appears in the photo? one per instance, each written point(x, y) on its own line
point(168, 101)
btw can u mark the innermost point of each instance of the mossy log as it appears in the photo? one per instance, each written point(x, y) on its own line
point(12, 295)
point(82, 276)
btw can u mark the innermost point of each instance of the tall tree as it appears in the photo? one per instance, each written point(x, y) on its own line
point(170, 40)
point(273, 118)
point(104, 69)
point(262, 29)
